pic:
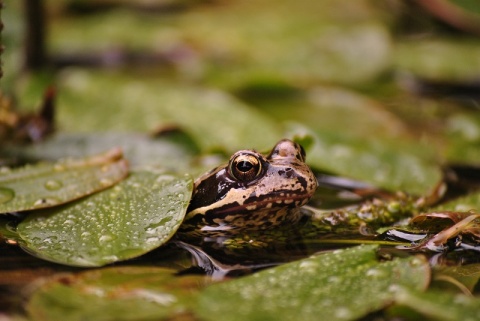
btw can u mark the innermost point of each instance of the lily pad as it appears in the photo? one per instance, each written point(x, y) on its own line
point(279, 39)
point(467, 276)
point(139, 149)
point(442, 306)
point(471, 202)
point(373, 161)
point(338, 110)
point(130, 219)
point(440, 58)
point(46, 185)
point(341, 285)
point(462, 133)
point(128, 293)
point(214, 119)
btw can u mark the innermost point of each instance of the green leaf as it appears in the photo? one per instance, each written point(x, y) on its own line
point(341, 285)
point(441, 306)
point(139, 149)
point(127, 293)
point(376, 161)
point(299, 42)
point(130, 219)
point(470, 202)
point(463, 276)
point(455, 59)
point(462, 134)
point(339, 110)
point(46, 185)
point(213, 118)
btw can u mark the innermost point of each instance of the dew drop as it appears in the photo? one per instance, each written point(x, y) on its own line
point(53, 185)
point(42, 202)
point(113, 195)
point(106, 238)
point(376, 273)
point(308, 266)
point(86, 234)
point(343, 313)
point(50, 240)
point(6, 195)
point(417, 262)
point(69, 222)
point(152, 240)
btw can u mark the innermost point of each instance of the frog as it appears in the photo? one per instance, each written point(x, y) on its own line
point(252, 192)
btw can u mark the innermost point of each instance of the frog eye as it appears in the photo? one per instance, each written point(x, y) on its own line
point(245, 167)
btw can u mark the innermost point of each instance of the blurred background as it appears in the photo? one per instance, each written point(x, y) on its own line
point(383, 91)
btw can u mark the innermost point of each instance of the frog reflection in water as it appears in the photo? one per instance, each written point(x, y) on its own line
point(252, 192)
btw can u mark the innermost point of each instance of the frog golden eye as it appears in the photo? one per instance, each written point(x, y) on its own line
point(245, 167)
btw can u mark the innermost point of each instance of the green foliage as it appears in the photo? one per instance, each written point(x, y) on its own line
point(214, 119)
point(130, 219)
point(342, 285)
point(439, 305)
point(377, 161)
point(46, 185)
point(128, 293)
point(141, 150)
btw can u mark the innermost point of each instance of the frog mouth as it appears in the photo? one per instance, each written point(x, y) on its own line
point(269, 203)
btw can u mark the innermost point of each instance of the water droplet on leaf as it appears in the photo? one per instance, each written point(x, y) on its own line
point(343, 313)
point(46, 202)
point(376, 273)
point(53, 185)
point(106, 238)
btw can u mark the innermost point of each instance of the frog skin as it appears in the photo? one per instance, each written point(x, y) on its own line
point(251, 192)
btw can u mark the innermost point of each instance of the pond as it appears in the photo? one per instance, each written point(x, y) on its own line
point(109, 120)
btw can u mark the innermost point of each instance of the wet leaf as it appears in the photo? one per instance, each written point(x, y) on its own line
point(462, 134)
point(298, 42)
point(470, 202)
point(128, 293)
point(454, 59)
point(326, 109)
point(46, 185)
point(442, 306)
point(130, 219)
point(213, 118)
point(374, 161)
point(466, 275)
point(139, 149)
point(341, 285)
